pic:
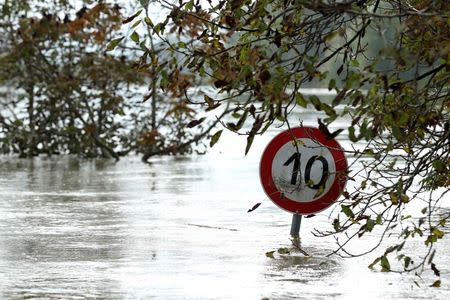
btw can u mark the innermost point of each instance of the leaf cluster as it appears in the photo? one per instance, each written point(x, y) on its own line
point(387, 65)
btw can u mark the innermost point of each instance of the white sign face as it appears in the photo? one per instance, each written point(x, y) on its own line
point(305, 172)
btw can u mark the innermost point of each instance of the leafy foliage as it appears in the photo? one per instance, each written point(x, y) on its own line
point(387, 64)
point(62, 92)
point(70, 85)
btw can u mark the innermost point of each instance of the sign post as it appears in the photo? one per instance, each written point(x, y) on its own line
point(303, 172)
point(295, 226)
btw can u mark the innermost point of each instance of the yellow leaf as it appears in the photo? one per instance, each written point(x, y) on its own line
point(394, 198)
point(404, 198)
point(438, 233)
point(270, 254)
point(437, 283)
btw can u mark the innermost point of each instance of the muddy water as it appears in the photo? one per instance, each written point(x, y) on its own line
point(177, 228)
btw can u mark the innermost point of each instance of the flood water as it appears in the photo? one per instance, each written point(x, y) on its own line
point(177, 228)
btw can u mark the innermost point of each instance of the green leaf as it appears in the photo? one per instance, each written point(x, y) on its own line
point(331, 84)
point(397, 133)
point(385, 265)
point(406, 261)
point(331, 35)
point(280, 118)
point(136, 24)
point(181, 44)
point(369, 224)
point(250, 139)
point(351, 134)
point(315, 101)
point(403, 119)
point(144, 3)
point(159, 28)
point(390, 249)
point(114, 43)
point(377, 260)
point(135, 37)
point(284, 250)
point(128, 20)
point(244, 54)
point(440, 166)
point(301, 100)
point(327, 109)
point(266, 127)
point(143, 46)
point(400, 186)
point(430, 240)
point(202, 71)
point(347, 211)
point(354, 63)
point(309, 67)
point(239, 124)
point(215, 138)
point(251, 135)
point(189, 5)
point(336, 225)
point(400, 246)
point(148, 21)
point(379, 220)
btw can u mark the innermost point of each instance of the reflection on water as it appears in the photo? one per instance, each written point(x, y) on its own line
point(175, 229)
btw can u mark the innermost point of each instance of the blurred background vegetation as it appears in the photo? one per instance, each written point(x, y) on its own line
point(61, 92)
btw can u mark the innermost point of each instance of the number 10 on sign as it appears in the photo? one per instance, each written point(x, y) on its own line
point(302, 171)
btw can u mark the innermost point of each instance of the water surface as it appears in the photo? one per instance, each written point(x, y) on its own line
point(177, 228)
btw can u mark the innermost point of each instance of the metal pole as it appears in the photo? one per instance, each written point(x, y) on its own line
point(295, 227)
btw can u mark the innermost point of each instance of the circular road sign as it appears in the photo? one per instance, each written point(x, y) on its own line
point(302, 171)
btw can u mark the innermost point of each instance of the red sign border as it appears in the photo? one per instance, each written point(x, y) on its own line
point(265, 171)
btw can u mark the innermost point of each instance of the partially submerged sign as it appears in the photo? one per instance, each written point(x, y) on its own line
point(302, 171)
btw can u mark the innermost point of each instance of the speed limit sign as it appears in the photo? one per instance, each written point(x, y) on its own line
point(302, 171)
